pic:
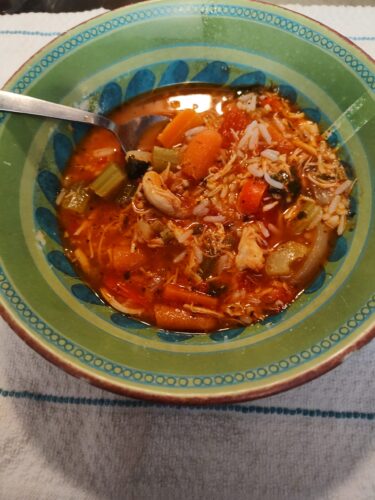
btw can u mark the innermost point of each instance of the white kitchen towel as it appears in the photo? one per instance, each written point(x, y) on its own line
point(63, 439)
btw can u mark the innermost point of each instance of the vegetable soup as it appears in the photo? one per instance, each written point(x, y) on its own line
point(221, 217)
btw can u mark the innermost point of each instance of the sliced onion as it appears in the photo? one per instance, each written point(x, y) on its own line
point(316, 255)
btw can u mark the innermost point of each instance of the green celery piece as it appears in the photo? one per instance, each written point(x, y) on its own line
point(108, 181)
point(76, 199)
point(162, 157)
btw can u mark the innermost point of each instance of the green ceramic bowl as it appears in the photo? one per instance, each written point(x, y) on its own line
point(111, 59)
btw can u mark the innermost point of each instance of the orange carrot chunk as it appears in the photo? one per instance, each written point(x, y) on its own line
point(172, 318)
point(174, 132)
point(125, 260)
point(179, 294)
point(201, 153)
point(251, 196)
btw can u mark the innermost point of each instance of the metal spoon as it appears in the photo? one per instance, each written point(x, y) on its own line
point(128, 134)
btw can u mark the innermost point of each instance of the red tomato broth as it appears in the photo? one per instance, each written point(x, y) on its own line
point(215, 248)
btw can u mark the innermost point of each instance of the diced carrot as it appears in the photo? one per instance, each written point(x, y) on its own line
point(174, 132)
point(251, 196)
point(176, 293)
point(201, 153)
point(125, 260)
point(172, 318)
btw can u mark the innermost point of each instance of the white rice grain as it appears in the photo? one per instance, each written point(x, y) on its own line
point(263, 129)
point(279, 124)
point(270, 154)
point(254, 139)
point(102, 152)
point(60, 197)
point(341, 226)
point(244, 141)
point(201, 209)
point(263, 230)
point(334, 204)
point(181, 238)
point(270, 206)
point(343, 187)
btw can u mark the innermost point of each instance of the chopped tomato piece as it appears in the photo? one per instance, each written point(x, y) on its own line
point(251, 196)
point(234, 119)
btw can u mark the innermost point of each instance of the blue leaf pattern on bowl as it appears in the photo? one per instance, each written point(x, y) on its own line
point(348, 169)
point(317, 283)
point(49, 184)
point(126, 322)
point(168, 336)
point(273, 320)
point(110, 98)
point(60, 262)
point(215, 72)
point(313, 114)
point(85, 294)
point(79, 131)
point(250, 79)
point(63, 149)
point(352, 206)
point(333, 139)
point(340, 249)
point(288, 92)
point(47, 222)
point(142, 81)
point(226, 334)
point(176, 72)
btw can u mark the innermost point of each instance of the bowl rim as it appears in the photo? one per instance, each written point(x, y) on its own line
point(204, 399)
point(171, 398)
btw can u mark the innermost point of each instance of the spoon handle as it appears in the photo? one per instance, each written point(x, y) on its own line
point(17, 103)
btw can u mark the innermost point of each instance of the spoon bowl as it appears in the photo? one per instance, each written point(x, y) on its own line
point(128, 134)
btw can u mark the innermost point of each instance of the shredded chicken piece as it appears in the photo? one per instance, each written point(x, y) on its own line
point(250, 255)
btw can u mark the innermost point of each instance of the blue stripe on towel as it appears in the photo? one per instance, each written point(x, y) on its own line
point(30, 33)
point(125, 403)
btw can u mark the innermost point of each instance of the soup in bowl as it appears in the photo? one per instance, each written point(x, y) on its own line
point(219, 219)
